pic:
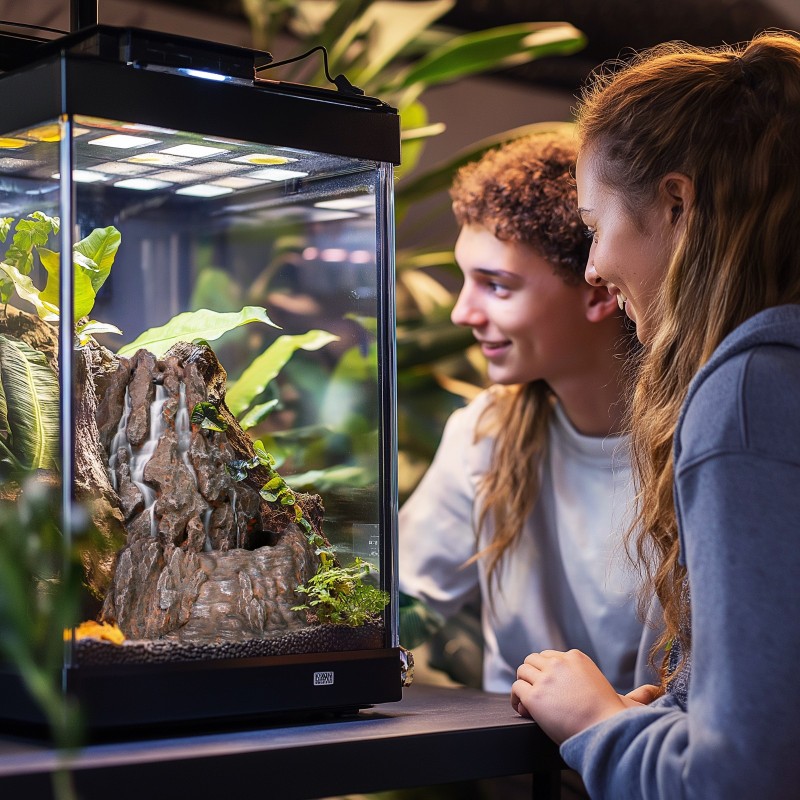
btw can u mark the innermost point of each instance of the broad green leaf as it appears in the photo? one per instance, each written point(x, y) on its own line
point(256, 414)
point(392, 25)
point(191, 325)
point(493, 49)
point(427, 292)
point(83, 292)
point(440, 177)
point(415, 130)
point(100, 246)
point(266, 367)
point(32, 400)
point(321, 480)
point(27, 291)
point(424, 259)
point(5, 226)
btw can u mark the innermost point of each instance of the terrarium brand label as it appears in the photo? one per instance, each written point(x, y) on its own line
point(323, 679)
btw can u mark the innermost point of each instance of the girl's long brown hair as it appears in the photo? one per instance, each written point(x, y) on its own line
point(522, 192)
point(729, 118)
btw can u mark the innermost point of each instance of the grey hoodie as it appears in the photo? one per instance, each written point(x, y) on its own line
point(737, 493)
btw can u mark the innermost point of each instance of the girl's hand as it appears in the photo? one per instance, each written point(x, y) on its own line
point(565, 693)
point(642, 695)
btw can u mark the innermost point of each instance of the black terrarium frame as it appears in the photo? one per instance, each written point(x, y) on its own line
point(101, 75)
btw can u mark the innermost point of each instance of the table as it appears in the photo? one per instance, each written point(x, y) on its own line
point(434, 735)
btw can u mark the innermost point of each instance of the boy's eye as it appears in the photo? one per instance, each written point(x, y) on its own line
point(591, 233)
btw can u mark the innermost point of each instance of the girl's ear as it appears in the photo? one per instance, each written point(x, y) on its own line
point(676, 195)
point(599, 303)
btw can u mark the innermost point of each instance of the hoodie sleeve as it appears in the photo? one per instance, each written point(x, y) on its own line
point(737, 493)
point(436, 534)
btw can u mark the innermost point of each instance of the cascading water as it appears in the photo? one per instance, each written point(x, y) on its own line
point(139, 456)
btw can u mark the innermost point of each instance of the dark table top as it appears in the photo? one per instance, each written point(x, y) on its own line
point(434, 735)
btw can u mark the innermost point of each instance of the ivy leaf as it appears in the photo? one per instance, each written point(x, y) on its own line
point(191, 325)
point(206, 415)
point(270, 497)
point(274, 483)
point(5, 227)
point(265, 458)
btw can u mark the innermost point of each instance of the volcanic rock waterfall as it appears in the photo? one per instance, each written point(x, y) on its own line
point(198, 565)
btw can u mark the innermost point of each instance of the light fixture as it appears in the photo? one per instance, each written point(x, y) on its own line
point(83, 176)
point(142, 184)
point(263, 159)
point(123, 141)
point(348, 203)
point(194, 150)
point(203, 190)
point(276, 174)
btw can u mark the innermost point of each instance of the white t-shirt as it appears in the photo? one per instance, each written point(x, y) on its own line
point(567, 584)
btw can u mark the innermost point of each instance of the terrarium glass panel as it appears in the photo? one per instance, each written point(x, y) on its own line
point(225, 407)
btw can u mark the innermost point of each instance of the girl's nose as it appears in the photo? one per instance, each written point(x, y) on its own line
point(590, 275)
point(465, 312)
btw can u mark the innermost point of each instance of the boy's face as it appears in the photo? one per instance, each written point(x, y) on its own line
point(530, 324)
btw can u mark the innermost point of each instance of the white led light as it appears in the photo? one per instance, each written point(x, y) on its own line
point(310, 253)
point(82, 176)
point(216, 167)
point(120, 168)
point(203, 190)
point(347, 203)
point(329, 215)
point(194, 150)
point(142, 184)
point(199, 73)
point(276, 174)
point(123, 141)
point(156, 159)
point(136, 126)
point(263, 159)
point(174, 176)
point(234, 182)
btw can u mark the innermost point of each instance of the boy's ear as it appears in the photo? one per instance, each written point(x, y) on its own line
point(599, 303)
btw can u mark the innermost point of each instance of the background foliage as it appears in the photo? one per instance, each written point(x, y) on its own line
point(394, 50)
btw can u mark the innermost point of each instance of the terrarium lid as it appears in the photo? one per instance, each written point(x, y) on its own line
point(120, 73)
point(147, 48)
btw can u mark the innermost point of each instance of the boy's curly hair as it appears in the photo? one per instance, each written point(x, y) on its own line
point(525, 192)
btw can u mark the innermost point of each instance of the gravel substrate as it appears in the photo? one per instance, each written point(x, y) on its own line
point(314, 639)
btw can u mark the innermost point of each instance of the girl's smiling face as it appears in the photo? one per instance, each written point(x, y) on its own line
point(526, 318)
point(630, 257)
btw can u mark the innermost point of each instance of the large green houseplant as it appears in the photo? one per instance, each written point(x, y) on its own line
point(393, 49)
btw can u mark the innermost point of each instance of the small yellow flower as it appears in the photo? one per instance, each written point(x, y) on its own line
point(105, 631)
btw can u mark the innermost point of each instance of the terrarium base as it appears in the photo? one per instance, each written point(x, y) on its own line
point(229, 690)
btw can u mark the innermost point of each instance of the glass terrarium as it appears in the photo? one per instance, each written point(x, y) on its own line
point(196, 348)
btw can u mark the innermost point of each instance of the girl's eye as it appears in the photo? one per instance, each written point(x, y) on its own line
point(497, 288)
point(591, 233)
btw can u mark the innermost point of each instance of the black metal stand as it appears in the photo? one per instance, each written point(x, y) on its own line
point(434, 735)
